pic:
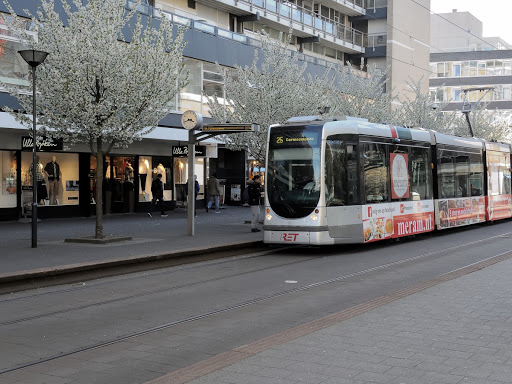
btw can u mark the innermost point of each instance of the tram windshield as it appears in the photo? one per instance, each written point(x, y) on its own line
point(293, 175)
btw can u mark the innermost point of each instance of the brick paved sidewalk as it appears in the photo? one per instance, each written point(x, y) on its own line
point(458, 331)
point(151, 235)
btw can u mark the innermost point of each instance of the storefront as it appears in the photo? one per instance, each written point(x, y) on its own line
point(66, 175)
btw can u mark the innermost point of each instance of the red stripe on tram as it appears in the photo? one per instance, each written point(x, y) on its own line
point(394, 133)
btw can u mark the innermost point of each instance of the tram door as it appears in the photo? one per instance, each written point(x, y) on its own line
point(342, 189)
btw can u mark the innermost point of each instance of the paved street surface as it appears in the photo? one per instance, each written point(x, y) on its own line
point(458, 331)
point(151, 235)
point(434, 310)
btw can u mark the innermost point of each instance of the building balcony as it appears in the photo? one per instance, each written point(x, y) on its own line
point(282, 15)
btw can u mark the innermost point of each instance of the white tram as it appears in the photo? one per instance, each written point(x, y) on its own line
point(345, 180)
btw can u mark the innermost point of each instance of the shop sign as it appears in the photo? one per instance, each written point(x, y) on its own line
point(393, 220)
point(44, 144)
point(399, 176)
point(182, 150)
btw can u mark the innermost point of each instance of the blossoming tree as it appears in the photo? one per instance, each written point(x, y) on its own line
point(109, 77)
point(267, 93)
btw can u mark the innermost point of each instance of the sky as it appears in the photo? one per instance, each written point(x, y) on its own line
point(494, 14)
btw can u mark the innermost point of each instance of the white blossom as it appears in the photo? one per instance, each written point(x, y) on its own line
point(361, 94)
point(267, 93)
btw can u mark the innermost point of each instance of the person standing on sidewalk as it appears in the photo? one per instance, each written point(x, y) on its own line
point(157, 189)
point(254, 202)
point(213, 193)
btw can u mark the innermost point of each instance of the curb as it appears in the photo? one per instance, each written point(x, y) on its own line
point(93, 265)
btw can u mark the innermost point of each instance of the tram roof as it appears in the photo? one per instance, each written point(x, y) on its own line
point(458, 141)
point(364, 127)
point(499, 147)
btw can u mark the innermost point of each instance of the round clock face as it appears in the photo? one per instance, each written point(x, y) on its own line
point(191, 119)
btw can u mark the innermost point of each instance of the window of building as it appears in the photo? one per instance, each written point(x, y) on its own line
point(57, 178)
point(481, 71)
point(507, 67)
point(456, 70)
point(473, 68)
point(490, 68)
point(8, 168)
point(441, 70)
point(456, 94)
point(498, 67)
point(376, 170)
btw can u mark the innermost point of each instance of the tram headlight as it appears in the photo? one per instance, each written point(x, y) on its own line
point(268, 217)
point(314, 217)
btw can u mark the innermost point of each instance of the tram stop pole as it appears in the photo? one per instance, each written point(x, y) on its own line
point(192, 120)
point(191, 194)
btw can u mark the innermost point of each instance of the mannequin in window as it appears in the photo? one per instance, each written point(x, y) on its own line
point(52, 172)
point(143, 173)
point(128, 173)
point(41, 184)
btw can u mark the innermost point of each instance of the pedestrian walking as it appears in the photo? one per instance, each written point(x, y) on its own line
point(254, 201)
point(197, 188)
point(213, 193)
point(157, 189)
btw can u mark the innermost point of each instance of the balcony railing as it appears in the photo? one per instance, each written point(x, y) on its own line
point(207, 28)
point(293, 13)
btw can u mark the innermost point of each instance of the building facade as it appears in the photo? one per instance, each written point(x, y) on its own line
point(219, 31)
point(463, 60)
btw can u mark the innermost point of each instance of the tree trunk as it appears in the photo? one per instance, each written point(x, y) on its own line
point(99, 189)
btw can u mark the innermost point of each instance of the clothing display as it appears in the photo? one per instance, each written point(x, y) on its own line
point(143, 173)
point(52, 171)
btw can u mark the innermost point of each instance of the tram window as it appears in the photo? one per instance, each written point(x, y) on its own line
point(446, 173)
point(341, 179)
point(493, 169)
point(507, 187)
point(462, 175)
point(476, 174)
point(421, 179)
point(376, 171)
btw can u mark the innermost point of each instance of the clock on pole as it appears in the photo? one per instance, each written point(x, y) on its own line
point(191, 120)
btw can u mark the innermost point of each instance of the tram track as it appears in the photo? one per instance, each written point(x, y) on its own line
point(233, 307)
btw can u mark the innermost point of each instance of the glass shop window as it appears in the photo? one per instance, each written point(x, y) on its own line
point(57, 178)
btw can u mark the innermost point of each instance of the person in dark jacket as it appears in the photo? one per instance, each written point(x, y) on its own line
point(254, 202)
point(213, 193)
point(157, 189)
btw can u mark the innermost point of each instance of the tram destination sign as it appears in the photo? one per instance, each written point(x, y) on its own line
point(230, 128)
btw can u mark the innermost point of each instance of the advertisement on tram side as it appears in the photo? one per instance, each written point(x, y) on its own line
point(499, 207)
point(392, 220)
point(459, 212)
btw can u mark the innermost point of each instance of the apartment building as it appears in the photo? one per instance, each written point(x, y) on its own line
point(398, 33)
point(224, 32)
point(463, 61)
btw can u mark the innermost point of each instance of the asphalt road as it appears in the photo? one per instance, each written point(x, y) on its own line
point(136, 327)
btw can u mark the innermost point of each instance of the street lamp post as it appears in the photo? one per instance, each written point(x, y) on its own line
point(34, 58)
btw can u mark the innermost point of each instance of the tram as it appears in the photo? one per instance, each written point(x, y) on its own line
point(346, 180)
